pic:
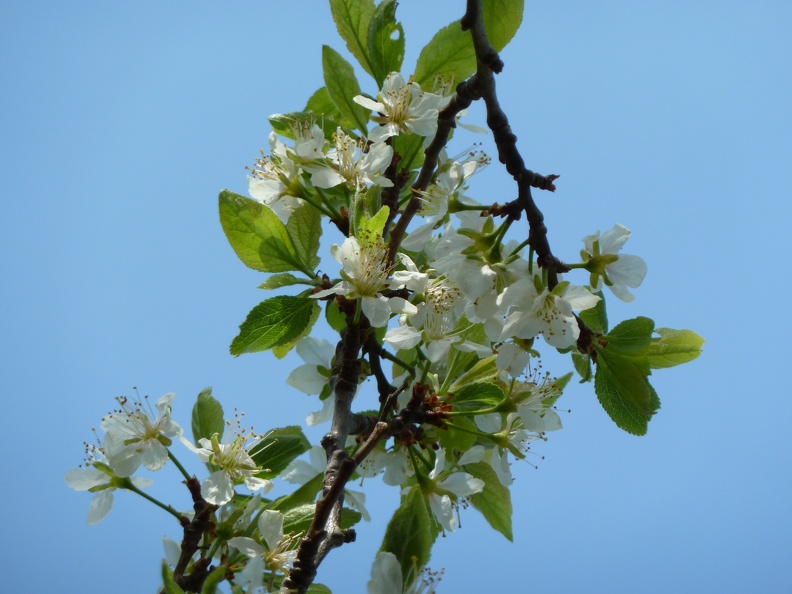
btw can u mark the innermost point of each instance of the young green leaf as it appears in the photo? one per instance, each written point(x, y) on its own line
point(450, 53)
point(410, 533)
point(674, 347)
point(352, 18)
point(385, 41)
point(214, 579)
point(494, 501)
point(283, 123)
point(625, 394)
point(478, 395)
point(631, 336)
point(278, 449)
point(596, 317)
point(258, 237)
point(342, 85)
point(582, 364)
point(458, 434)
point(274, 322)
point(320, 104)
point(305, 229)
point(171, 587)
point(207, 416)
point(283, 279)
point(281, 350)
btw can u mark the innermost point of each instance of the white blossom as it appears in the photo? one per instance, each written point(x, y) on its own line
point(349, 163)
point(234, 466)
point(446, 484)
point(137, 438)
point(365, 273)
point(404, 107)
point(617, 271)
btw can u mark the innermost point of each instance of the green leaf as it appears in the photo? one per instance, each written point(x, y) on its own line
point(342, 85)
point(283, 123)
point(320, 104)
point(494, 501)
point(304, 494)
point(582, 364)
point(318, 589)
point(410, 533)
point(283, 279)
point(631, 336)
point(279, 448)
point(369, 230)
point(334, 316)
point(624, 393)
point(274, 322)
point(450, 53)
point(258, 237)
point(352, 18)
point(385, 41)
point(299, 519)
point(484, 370)
point(171, 587)
point(281, 350)
point(207, 416)
point(305, 229)
point(674, 347)
point(461, 439)
point(478, 395)
point(596, 317)
point(410, 148)
point(213, 579)
point(502, 19)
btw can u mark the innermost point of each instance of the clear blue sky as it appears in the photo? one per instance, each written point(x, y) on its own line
point(122, 121)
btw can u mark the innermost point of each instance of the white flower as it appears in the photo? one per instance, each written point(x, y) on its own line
point(535, 412)
point(365, 272)
point(458, 484)
point(549, 313)
point(136, 438)
point(234, 464)
point(300, 472)
point(405, 108)
point(618, 272)
point(313, 377)
point(276, 550)
point(98, 478)
point(387, 578)
point(349, 164)
point(275, 179)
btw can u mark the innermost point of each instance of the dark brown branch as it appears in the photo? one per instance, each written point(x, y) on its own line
point(193, 532)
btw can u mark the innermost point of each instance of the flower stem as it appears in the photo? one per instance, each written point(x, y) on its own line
point(185, 474)
point(158, 503)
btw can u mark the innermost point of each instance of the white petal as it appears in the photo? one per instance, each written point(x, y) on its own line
point(247, 546)
point(217, 488)
point(368, 103)
point(461, 484)
point(82, 479)
point(627, 270)
point(403, 337)
point(172, 550)
point(307, 379)
point(270, 525)
point(612, 241)
point(474, 454)
point(377, 310)
point(100, 506)
point(386, 575)
point(443, 510)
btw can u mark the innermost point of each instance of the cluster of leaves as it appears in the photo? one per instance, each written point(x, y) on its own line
point(456, 306)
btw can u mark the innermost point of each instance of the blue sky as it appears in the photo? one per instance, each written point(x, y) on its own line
point(122, 121)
